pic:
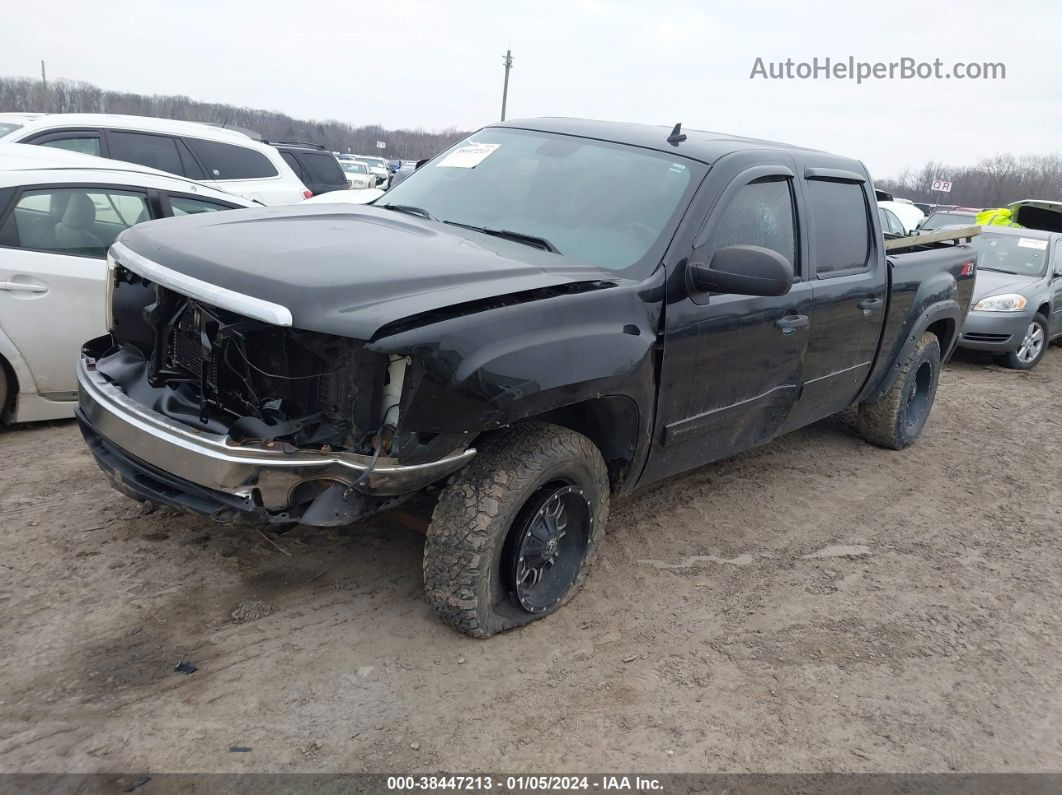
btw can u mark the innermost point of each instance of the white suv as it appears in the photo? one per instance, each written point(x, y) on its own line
point(227, 159)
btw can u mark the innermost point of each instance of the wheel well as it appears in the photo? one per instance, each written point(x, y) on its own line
point(12, 385)
point(944, 330)
point(1045, 310)
point(611, 423)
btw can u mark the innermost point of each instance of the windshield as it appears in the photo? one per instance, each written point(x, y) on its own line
point(937, 220)
point(353, 168)
point(599, 203)
point(1018, 254)
point(373, 161)
point(7, 127)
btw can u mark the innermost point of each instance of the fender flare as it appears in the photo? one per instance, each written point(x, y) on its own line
point(948, 309)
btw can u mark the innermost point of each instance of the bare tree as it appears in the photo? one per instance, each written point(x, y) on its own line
point(993, 182)
point(70, 96)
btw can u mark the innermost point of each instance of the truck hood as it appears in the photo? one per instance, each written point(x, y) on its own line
point(996, 283)
point(348, 269)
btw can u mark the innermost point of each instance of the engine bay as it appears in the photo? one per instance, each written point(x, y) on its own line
point(218, 371)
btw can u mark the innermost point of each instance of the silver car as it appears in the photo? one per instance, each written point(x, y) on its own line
point(1017, 303)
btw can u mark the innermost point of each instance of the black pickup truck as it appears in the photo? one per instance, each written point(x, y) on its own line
point(548, 314)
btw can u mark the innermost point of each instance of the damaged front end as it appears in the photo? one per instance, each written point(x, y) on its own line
point(204, 408)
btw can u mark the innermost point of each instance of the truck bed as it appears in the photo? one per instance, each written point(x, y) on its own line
point(923, 271)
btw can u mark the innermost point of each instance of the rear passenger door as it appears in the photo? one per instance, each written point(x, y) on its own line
point(53, 245)
point(849, 289)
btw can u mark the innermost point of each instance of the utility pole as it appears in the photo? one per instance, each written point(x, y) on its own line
point(44, 85)
point(508, 61)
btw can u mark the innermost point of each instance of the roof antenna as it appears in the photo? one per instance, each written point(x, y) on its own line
point(677, 136)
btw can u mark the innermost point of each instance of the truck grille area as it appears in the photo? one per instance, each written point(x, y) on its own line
point(186, 348)
point(218, 371)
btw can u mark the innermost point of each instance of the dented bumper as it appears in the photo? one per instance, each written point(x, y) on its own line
point(265, 476)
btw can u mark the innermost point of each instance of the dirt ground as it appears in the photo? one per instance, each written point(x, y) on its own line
point(814, 605)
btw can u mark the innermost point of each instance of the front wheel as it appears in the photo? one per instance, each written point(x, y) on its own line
point(1032, 349)
point(896, 419)
point(513, 535)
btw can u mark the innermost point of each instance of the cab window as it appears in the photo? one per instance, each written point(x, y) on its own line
point(840, 226)
point(760, 214)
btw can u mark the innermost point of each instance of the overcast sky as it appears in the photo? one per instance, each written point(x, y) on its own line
point(436, 64)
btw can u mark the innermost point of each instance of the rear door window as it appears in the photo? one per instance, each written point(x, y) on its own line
point(187, 205)
point(293, 161)
point(325, 168)
point(228, 161)
point(154, 151)
point(840, 226)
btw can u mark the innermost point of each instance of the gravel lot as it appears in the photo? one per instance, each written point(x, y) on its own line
point(813, 605)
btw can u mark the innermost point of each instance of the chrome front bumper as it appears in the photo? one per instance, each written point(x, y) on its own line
point(266, 473)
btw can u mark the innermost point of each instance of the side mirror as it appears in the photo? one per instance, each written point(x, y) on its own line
point(743, 270)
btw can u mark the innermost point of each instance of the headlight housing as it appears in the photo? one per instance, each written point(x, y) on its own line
point(108, 296)
point(1008, 302)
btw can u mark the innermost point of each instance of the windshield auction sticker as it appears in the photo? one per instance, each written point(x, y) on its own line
point(1029, 242)
point(468, 156)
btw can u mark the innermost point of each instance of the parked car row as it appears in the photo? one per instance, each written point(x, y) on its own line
point(71, 183)
point(226, 159)
point(282, 172)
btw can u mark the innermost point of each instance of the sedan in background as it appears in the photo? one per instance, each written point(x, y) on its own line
point(377, 167)
point(909, 215)
point(956, 216)
point(59, 213)
point(891, 226)
point(1017, 303)
point(357, 173)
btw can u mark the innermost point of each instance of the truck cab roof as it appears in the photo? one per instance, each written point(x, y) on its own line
point(702, 145)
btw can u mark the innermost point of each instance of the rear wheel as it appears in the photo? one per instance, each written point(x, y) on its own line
point(513, 534)
point(897, 418)
point(1032, 349)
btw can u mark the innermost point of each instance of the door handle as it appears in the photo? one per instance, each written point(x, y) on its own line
point(868, 305)
point(791, 323)
point(23, 287)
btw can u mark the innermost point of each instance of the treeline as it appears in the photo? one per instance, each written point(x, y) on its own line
point(70, 96)
point(993, 182)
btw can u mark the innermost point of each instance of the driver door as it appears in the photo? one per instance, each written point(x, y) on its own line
point(732, 365)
